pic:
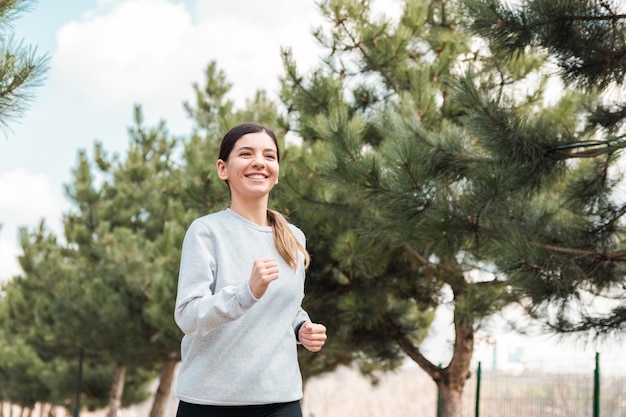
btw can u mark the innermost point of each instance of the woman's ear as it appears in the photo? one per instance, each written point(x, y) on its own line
point(221, 170)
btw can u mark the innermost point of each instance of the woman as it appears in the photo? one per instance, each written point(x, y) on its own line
point(240, 289)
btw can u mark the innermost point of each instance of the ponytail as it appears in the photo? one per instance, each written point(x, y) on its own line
point(285, 241)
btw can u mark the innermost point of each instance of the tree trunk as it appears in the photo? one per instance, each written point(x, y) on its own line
point(159, 405)
point(456, 374)
point(451, 379)
point(46, 409)
point(117, 389)
point(451, 400)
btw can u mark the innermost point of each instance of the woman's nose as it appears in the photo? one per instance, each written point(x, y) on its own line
point(258, 160)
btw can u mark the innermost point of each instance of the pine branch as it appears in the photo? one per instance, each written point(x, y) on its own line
point(617, 256)
point(297, 80)
point(559, 19)
point(503, 20)
point(598, 258)
point(614, 323)
point(423, 261)
point(612, 145)
point(400, 337)
point(370, 62)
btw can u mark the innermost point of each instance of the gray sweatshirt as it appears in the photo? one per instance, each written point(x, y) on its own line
point(237, 350)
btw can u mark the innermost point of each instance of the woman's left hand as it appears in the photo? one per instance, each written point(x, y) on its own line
point(312, 336)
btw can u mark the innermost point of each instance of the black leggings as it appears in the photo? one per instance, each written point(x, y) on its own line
point(291, 409)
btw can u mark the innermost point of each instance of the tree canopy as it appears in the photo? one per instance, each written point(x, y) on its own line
point(462, 170)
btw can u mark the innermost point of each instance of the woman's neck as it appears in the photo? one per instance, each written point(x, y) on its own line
point(256, 212)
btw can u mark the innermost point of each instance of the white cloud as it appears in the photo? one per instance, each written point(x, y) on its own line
point(26, 198)
point(8, 260)
point(245, 39)
point(138, 51)
point(150, 52)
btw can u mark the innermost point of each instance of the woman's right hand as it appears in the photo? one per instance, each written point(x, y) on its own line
point(264, 271)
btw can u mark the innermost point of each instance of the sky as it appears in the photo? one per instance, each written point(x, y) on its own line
point(108, 55)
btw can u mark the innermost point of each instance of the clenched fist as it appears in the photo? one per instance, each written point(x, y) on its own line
point(312, 336)
point(264, 271)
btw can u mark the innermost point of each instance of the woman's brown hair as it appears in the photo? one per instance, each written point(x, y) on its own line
point(284, 239)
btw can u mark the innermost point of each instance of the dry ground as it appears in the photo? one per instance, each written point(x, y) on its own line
point(344, 393)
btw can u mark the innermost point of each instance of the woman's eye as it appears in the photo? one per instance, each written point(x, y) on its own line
point(270, 156)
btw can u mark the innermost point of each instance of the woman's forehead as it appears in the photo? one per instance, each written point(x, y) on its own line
point(256, 140)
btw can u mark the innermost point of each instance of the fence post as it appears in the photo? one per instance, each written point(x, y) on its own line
point(438, 398)
point(79, 382)
point(478, 375)
point(596, 387)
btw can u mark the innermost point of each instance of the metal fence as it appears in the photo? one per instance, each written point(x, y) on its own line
point(541, 393)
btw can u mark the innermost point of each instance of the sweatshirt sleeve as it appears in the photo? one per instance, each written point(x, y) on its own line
point(301, 316)
point(298, 321)
point(199, 309)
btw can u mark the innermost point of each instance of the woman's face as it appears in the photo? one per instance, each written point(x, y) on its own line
point(252, 166)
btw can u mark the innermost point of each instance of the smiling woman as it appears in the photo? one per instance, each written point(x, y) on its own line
point(240, 291)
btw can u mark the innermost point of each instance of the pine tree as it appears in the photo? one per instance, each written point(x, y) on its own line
point(445, 171)
point(21, 67)
point(40, 317)
point(103, 289)
point(21, 70)
point(587, 42)
point(19, 368)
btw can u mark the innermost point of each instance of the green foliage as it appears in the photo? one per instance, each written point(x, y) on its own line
point(20, 372)
point(96, 289)
point(585, 37)
point(447, 164)
point(21, 67)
